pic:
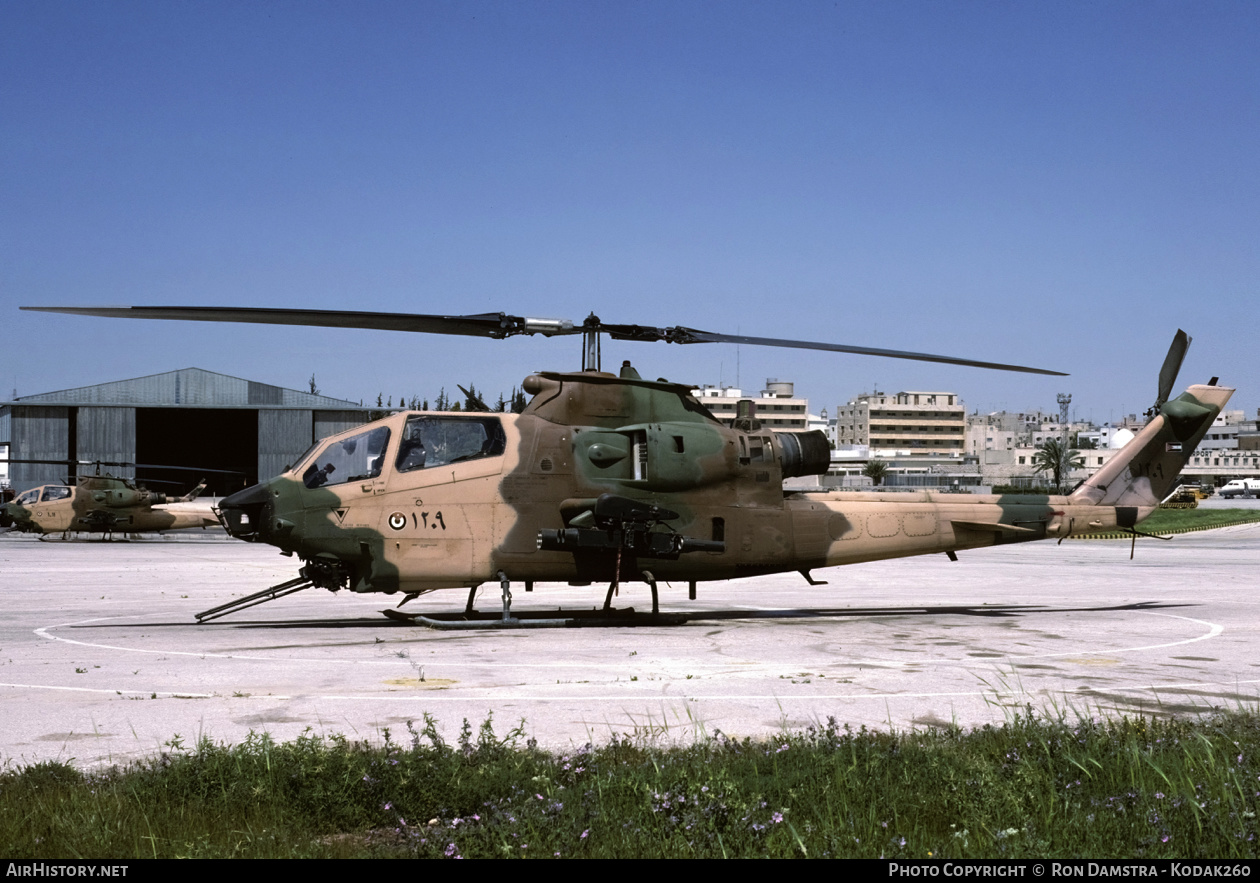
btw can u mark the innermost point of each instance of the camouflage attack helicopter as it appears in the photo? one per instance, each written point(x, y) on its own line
point(100, 504)
point(612, 477)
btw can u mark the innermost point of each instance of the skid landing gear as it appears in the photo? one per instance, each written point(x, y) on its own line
point(605, 617)
point(288, 588)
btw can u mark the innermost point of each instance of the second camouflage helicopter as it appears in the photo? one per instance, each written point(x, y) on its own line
point(102, 504)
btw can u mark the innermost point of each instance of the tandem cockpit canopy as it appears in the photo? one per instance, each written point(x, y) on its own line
point(427, 441)
point(430, 441)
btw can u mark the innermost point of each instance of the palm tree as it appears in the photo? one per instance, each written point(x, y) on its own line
point(1057, 458)
point(876, 471)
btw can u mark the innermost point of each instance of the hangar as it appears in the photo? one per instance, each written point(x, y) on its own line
point(190, 417)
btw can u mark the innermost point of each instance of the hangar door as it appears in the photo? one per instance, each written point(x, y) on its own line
point(205, 438)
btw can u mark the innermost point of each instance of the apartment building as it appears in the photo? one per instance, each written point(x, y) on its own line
point(911, 423)
point(777, 407)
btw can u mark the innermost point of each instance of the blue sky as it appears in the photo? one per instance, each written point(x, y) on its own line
point(1059, 185)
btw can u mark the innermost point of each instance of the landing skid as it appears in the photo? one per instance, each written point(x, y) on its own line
point(608, 617)
point(271, 594)
point(559, 619)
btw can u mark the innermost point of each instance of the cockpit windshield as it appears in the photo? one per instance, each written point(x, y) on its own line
point(356, 458)
point(300, 463)
point(29, 498)
point(437, 441)
point(56, 492)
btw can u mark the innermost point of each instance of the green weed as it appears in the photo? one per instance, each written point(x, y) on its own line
point(1033, 786)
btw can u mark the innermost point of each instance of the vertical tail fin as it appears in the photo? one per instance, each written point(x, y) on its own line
point(1146, 469)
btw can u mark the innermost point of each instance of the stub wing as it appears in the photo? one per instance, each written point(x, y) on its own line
point(992, 527)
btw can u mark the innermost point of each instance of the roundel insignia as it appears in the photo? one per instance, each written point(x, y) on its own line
point(397, 521)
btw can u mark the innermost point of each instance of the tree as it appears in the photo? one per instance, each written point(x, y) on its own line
point(314, 388)
point(1058, 459)
point(876, 471)
point(472, 400)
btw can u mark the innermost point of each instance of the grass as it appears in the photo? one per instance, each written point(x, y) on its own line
point(1033, 787)
point(1173, 521)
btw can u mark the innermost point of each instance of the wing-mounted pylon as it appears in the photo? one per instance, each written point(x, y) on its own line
point(615, 525)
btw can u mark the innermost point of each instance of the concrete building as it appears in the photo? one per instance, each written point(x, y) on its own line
point(777, 407)
point(920, 435)
point(1225, 431)
point(1231, 449)
point(190, 417)
point(905, 424)
point(1019, 470)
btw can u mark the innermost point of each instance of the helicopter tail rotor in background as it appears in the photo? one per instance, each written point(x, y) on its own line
point(1169, 370)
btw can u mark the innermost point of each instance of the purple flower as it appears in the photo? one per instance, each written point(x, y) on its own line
point(777, 817)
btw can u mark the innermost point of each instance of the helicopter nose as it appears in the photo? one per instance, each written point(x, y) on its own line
point(246, 514)
point(6, 520)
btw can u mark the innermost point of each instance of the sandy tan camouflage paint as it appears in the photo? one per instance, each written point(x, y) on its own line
point(104, 504)
point(587, 434)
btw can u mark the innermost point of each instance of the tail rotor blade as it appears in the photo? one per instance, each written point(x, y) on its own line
point(1172, 364)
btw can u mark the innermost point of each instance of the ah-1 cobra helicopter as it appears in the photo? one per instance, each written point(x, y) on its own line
point(612, 477)
point(102, 504)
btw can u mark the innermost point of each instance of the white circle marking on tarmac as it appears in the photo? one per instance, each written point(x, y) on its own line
point(113, 692)
point(1214, 630)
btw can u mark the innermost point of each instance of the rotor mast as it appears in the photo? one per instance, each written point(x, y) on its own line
point(590, 343)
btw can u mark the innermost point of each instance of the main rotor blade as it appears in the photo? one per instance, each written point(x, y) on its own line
point(1172, 365)
point(494, 325)
point(500, 325)
point(680, 334)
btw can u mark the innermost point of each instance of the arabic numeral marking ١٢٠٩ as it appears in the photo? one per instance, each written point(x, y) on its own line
point(438, 520)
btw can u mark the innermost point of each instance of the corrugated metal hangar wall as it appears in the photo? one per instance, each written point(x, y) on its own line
point(191, 418)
